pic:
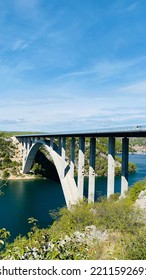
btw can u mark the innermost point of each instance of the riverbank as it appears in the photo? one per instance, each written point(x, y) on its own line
point(22, 177)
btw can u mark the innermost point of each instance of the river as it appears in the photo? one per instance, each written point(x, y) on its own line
point(35, 198)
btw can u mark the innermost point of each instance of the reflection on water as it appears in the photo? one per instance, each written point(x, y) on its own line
point(34, 198)
point(24, 199)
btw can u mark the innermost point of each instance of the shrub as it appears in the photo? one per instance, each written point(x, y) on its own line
point(134, 246)
point(80, 216)
point(118, 215)
point(6, 174)
point(135, 190)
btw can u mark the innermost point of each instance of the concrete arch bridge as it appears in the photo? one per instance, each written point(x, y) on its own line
point(54, 145)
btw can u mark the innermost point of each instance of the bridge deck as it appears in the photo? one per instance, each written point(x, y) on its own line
point(136, 132)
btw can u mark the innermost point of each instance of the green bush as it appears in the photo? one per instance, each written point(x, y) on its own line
point(118, 215)
point(134, 246)
point(80, 216)
point(135, 190)
point(41, 246)
point(131, 167)
point(5, 174)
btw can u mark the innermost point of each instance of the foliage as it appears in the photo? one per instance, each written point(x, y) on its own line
point(77, 219)
point(134, 246)
point(131, 167)
point(7, 152)
point(40, 246)
point(67, 239)
point(134, 191)
point(4, 235)
point(138, 141)
point(6, 174)
point(121, 215)
point(36, 169)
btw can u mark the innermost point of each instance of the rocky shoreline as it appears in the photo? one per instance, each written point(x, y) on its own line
point(20, 177)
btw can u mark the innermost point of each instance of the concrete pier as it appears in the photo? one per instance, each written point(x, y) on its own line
point(63, 153)
point(111, 166)
point(72, 156)
point(24, 149)
point(125, 155)
point(91, 186)
point(59, 146)
point(51, 142)
point(81, 160)
point(28, 145)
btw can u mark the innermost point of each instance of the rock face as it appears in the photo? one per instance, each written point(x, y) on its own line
point(141, 201)
point(93, 233)
point(90, 235)
point(17, 156)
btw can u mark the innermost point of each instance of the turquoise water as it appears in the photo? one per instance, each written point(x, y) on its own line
point(35, 198)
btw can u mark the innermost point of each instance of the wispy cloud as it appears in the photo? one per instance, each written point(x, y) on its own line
point(107, 69)
point(135, 88)
point(131, 7)
point(19, 45)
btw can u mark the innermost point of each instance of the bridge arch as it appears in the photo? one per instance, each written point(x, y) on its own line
point(68, 184)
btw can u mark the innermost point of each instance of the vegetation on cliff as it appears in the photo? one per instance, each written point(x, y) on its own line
point(110, 229)
point(8, 164)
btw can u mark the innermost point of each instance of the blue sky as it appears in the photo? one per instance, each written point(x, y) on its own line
point(72, 64)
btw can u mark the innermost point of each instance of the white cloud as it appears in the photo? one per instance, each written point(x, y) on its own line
point(134, 88)
point(132, 7)
point(107, 69)
point(19, 45)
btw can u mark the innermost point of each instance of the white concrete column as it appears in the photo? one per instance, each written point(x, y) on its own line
point(21, 146)
point(28, 144)
point(81, 160)
point(111, 166)
point(25, 147)
point(31, 139)
point(24, 151)
point(72, 158)
point(91, 186)
point(125, 154)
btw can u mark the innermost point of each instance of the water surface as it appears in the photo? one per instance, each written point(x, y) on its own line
point(35, 198)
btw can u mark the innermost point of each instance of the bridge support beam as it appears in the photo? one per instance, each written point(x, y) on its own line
point(125, 155)
point(51, 142)
point(111, 166)
point(63, 154)
point(81, 160)
point(28, 145)
point(72, 157)
point(91, 186)
point(59, 146)
point(24, 150)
